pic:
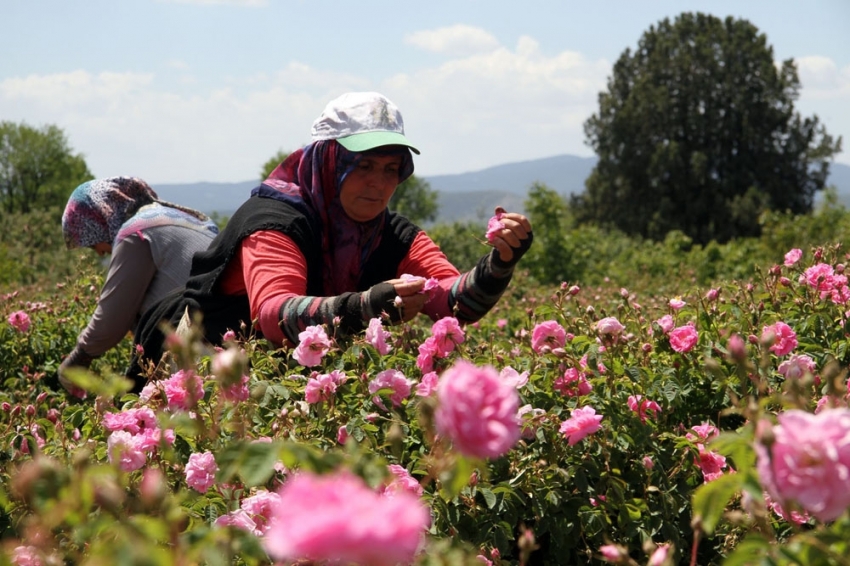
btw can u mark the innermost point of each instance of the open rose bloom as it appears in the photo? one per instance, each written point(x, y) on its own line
point(808, 463)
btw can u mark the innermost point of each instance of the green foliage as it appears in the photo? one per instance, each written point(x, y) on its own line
point(415, 200)
point(272, 163)
point(635, 482)
point(37, 168)
point(553, 258)
point(462, 242)
point(697, 132)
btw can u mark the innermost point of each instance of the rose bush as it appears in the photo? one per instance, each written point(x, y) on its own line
point(671, 466)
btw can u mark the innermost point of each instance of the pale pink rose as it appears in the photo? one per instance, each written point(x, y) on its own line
point(323, 387)
point(133, 420)
point(230, 366)
point(124, 449)
point(342, 434)
point(666, 323)
point(704, 433)
point(640, 406)
point(428, 384)
point(313, 344)
point(427, 353)
point(661, 556)
point(510, 375)
point(583, 365)
point(260, 508)
point(337, 518)
point(549, 335)
point(236, 392)
point(446, 333)
point(20, 321)
point(529, 418)
point(228, 336)
point(239, 519)
point(793, 256)
point(582, 422)
point(394, 380)
point(808, 461)
point(683, 338)
point(402, 481)
point(711, 463)
point(782, 337)
point(648, 463)
point(502, 323)
point(676, 303)
point(183, 390)
point(797, 366)
point(711, 294)
point(200, 471)
point(494, 226)
point(377, 336)
point(26, 556)
point(614, 553)
point(609, 326)
point(737, 348)
point(572, 383)
point(477, 410)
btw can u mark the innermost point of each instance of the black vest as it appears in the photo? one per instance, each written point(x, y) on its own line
point(222, 312)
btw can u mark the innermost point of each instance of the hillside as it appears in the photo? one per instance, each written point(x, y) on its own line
point(463, 196)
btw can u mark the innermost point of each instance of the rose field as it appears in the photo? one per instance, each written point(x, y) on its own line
point(666, 406)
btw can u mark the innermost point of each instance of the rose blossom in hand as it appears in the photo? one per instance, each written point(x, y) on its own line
point(494, 226)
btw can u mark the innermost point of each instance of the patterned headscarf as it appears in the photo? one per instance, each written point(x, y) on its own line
point(97, 209)
point(310, 178)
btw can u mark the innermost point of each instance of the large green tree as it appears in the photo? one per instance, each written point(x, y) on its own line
point(697, 132)
point(37, 168)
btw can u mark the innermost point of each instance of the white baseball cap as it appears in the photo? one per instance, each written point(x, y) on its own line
point(361, 121)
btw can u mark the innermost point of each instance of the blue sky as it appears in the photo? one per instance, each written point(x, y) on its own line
point(180, 91)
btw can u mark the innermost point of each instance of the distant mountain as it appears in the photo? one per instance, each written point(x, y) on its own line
point(464, 196)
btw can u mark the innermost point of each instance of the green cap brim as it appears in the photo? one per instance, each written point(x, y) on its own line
point(371, 140)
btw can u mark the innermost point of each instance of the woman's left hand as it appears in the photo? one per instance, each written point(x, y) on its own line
point(512, 238)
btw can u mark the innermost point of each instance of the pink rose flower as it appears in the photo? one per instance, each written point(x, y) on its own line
point(402, 481)
point(394, 380)
point(20, 321)
point(640, 406)
point(446, 333)
point(313, 344)
point(808, 461)
point(793, 256)
point(666, 323)
point(260, 507)
point(676, 303)
point(240, 520)
point(609, 326)
point(428, 384)
point(513, 377)
point(337, 518)
point(614, 553)
point(782, 337)
point(427, 353)
point(582, 422)
point(477, 410)
point(322, 387)
point(711, 463)
point(377, 336)
point(572, 383)
point(183, 390)
point(200, 471)
point(342, 434)
point(797, 366)
point(684, 338)
point(660, 556)
point(26, 556)
point(549, 335)
point(494, 226)
point(126, 450)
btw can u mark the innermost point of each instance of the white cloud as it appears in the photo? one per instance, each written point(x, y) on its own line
point(457, 40)
point(822, 79)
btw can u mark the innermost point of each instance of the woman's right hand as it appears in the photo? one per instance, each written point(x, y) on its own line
point(411, 300)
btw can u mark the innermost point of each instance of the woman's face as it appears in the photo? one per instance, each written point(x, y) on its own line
point(368, 188)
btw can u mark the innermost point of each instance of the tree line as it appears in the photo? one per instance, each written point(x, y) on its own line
point(695, 134)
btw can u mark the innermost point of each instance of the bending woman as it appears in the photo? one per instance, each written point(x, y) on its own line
point(316, 244)
point(151, 242)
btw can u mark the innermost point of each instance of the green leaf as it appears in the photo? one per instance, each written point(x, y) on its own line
point(489, 497)
point(710, 500)
point(748, 551)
